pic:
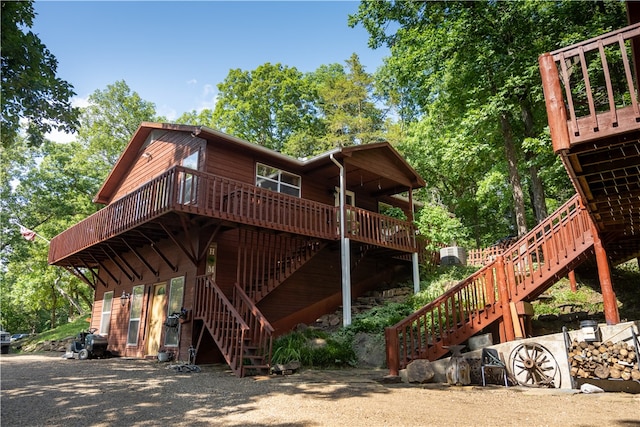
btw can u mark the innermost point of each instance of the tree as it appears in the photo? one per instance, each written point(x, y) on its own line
point(109, 122)
point(265, 106)
point(482, 58)
point(30, 89)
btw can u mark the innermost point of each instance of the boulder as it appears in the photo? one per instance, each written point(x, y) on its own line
point(419, 371)
point(370, 350)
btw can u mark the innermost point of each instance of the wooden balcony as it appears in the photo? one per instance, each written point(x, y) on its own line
point(591, 94)
point(137, 218)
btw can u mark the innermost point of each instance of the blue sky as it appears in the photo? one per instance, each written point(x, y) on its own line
point(175, 53)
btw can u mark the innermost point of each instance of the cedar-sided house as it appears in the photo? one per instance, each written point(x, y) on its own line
point(243, 242)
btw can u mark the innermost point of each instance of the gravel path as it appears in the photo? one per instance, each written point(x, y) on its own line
point(46, 390)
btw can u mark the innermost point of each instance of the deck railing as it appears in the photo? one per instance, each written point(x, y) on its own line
point(589, 88)
point(526, 267)
point(187, 190)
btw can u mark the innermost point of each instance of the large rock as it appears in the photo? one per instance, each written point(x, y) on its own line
point(370, 350)
point(419, 371)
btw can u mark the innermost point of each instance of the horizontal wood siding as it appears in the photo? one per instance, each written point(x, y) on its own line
point(120, 315)
point(164, 153)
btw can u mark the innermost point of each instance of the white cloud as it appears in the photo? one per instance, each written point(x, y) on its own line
point(192, 82)
point(62, 137)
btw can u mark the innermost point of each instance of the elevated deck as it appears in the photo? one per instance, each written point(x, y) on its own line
point(591, 92)
point(165, 206)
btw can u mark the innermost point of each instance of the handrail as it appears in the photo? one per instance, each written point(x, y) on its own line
point(226, 325)
point(261, 331)
point(187, 190)
point(472, 304)
point(589, 88)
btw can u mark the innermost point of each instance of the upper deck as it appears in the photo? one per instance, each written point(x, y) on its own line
point(591, 94)
point(147, 215)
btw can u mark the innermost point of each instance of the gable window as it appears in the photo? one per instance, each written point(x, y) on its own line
point(134, 315)
point(189, 182)
point(176, 290)
point(277, 180)
point(105, 318)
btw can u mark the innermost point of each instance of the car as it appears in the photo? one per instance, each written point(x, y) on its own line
point(16, 337)
point(5, 340)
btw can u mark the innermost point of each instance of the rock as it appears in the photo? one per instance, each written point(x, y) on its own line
point(370, 350)
point(419, 371)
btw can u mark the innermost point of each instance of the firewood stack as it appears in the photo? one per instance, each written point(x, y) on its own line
point(603, 360)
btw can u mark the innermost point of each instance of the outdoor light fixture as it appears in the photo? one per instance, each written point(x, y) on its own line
point(124, 298)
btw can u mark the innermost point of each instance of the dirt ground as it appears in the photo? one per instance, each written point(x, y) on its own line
point(46, 390)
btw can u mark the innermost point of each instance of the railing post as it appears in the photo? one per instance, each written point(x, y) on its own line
point(556, 112)
point(503, 292)
point(393, 359)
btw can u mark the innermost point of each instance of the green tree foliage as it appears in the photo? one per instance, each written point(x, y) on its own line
point(109, 122)
point(474, 66)
point(31, 91)
point(50, 188)
point(265, 106)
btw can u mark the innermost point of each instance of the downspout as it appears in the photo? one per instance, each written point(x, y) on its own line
point(415, 261)
point(344, 250)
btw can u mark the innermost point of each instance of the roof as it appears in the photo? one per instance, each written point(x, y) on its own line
point(396, 178)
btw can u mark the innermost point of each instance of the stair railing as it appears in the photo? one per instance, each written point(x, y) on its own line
point(226, 325)
point(260, 334)
point(464, 310)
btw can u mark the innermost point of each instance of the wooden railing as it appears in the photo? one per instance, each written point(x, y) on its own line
point(528, 266)
point(226, 325)
point(594, 81)
point(260, 337)
point(484, 256)
point(267, 259)
point(186, 190)
point(370, 227)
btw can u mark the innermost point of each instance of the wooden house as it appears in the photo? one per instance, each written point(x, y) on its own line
point(210, 241)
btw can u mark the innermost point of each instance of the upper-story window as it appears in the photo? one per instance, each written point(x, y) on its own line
point(277, 180)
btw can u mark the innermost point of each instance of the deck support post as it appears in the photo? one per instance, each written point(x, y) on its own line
point(503, 294)
point(345, 250)
point(609, 302)
point(416, 272)
point(572, 281)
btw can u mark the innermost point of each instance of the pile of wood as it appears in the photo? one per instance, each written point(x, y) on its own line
point(603, 360)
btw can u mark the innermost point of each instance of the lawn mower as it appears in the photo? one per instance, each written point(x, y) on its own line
point(88, 345)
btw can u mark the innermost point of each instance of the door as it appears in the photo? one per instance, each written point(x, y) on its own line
point(156, 318)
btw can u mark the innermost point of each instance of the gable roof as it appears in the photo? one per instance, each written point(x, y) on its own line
point(365, 161)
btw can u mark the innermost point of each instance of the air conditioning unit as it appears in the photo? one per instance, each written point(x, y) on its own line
point(453, 255)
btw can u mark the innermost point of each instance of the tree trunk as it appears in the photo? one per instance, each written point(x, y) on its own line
point(514, 176)
point(537, 189)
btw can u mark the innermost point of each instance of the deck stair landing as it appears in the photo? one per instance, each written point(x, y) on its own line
point(522, 272)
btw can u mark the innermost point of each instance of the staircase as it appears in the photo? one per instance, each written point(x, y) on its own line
point(269, 259)
point(521, 273)
point(241, 332)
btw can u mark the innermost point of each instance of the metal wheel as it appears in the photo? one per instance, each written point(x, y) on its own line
point(533, 365)
point(84, 354)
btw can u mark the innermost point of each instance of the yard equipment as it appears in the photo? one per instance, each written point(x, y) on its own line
point(88, 345)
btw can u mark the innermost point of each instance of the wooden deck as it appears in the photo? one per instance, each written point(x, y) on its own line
point(591, 92)
point(230, 203)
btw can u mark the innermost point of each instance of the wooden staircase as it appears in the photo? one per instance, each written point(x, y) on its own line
point(241, 332)
point(268, 259)
point(522, 272)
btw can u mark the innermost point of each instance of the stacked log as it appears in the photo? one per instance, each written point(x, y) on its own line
point(603, 360)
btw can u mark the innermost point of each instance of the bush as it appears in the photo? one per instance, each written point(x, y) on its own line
point(301, 346)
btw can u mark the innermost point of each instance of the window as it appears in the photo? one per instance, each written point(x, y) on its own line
point(176, 289)
point(277, 180)
point(189, 183)
point(105, 319)
point(135, 314)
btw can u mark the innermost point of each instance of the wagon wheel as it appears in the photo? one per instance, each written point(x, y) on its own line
point(534, 366)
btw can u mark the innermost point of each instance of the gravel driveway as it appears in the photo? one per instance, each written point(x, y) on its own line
point(46, 390)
